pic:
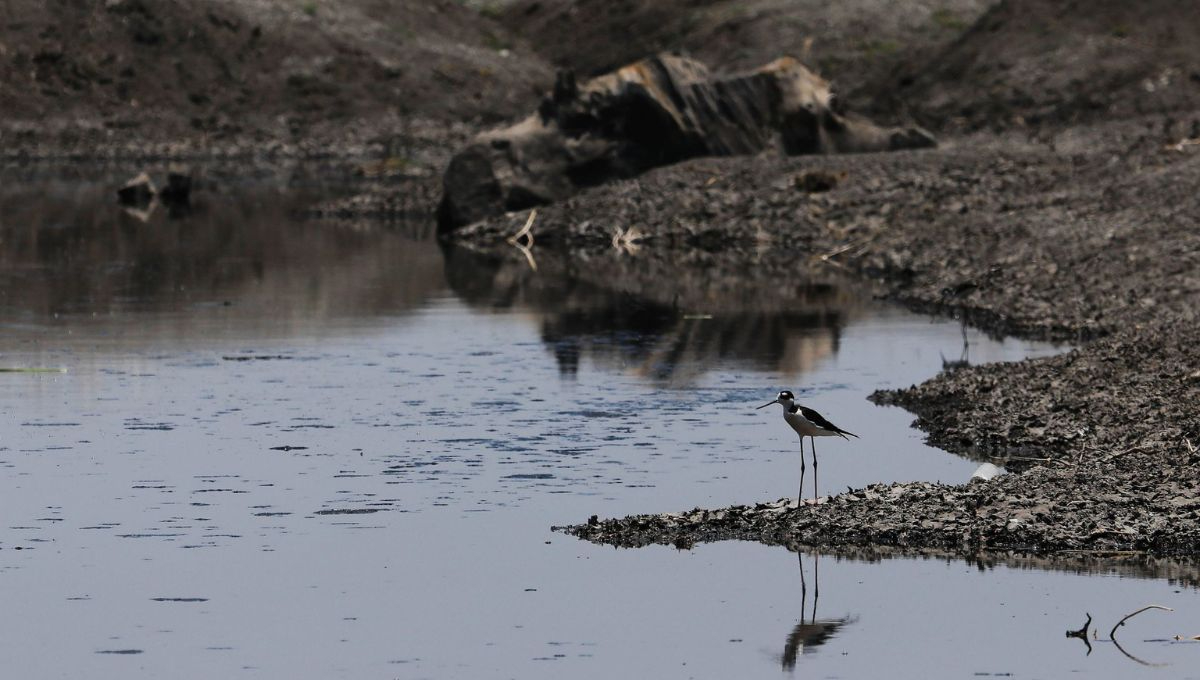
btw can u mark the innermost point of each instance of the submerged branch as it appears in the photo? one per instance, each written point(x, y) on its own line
point(1112, 634)
point(1134, 658)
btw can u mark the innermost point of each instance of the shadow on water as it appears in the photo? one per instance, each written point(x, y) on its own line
point(812, 632)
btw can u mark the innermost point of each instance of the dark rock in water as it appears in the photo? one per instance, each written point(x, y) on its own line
point(654, 112)
point(177, 194)
point(178, 190)
point(137, 192)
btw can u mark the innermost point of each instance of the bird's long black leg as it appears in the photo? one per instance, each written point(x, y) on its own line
point(814, 450)
point(800, 497)
point(803, 585)
point(816, 584)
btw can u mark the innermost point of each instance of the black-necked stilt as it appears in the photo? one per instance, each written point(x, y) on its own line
point(807, 423)
point(812, 632)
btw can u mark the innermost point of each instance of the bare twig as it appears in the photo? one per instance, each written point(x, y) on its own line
point(1113, 632)
point(526, 231)
point(835, 263)
point(528, 255)
point(1141, 661)
point(625, 240)
point(616, 239)
point(1182, 144)
point(1118, 454)
point(839, 251)
point(857, 244)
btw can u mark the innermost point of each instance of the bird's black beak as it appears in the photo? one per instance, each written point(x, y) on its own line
point(767, 404)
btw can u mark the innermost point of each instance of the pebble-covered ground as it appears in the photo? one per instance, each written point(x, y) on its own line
point(1082, 237)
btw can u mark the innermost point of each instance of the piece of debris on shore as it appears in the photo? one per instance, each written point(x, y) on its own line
point(654, 112)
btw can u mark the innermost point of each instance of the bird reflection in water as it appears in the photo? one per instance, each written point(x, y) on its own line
point(964, 358)
point(810, 632)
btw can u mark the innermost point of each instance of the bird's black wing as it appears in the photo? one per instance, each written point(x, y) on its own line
point(819, 420)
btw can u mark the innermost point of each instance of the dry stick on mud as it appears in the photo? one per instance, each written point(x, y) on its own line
point(526, 232)
point(625, 240)
point(859, 243)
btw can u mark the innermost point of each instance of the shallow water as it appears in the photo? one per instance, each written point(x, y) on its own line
point(296, 449)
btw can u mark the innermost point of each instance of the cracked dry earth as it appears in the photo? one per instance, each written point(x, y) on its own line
point(1087, 234)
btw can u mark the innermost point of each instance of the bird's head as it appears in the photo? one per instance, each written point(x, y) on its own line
point(786, 398)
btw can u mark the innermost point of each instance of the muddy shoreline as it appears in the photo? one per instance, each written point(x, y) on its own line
point(1091, 244)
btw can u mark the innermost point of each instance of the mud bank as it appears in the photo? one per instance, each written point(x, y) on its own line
point(1093, 242)
point(1068, 238)
point(1100, 441)
point(1080, 507)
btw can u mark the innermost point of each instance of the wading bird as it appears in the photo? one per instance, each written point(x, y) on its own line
point(812, 632)
point(807, 423)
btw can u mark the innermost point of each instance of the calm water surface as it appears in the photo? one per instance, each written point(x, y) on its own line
point(308, 450)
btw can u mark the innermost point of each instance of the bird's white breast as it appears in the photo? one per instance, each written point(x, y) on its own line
point(801, 425)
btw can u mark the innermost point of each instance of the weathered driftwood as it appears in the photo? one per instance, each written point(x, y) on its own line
point(657, 111)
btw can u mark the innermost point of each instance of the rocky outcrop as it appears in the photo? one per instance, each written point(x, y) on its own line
point(654, 112)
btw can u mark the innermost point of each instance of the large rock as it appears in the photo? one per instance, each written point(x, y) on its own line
point(653, 112)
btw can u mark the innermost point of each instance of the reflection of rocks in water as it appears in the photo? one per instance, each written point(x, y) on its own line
point(663, 319)
point(810, 632)
point(675, 346)
point(70, 252)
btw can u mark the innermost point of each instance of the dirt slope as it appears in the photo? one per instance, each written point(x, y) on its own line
point(279, 67)
point(953, 64)
point(852, 42)
point(1047, 61)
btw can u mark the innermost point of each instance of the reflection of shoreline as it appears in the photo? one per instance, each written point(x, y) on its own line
point(1177, 571)
point(238, 266)
point(667, 321)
